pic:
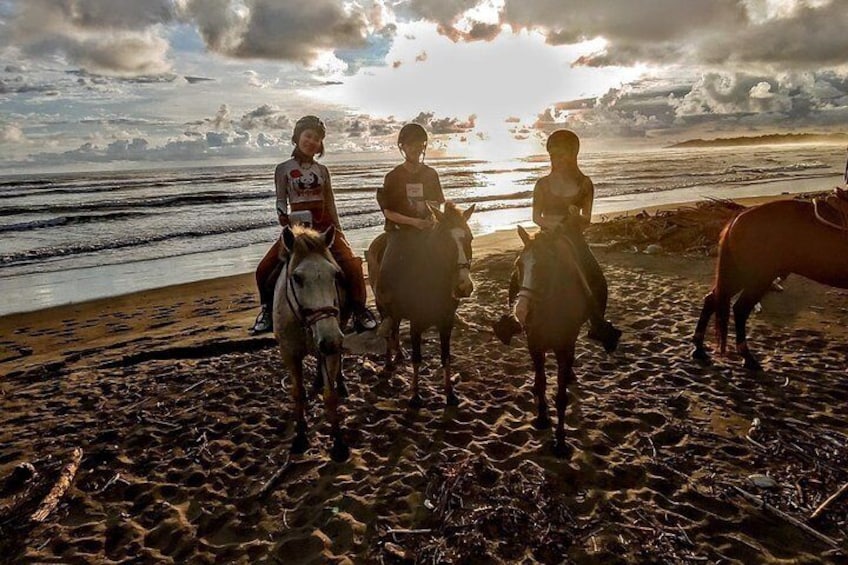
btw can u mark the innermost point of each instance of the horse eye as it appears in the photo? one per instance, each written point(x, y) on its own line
point(298, 279)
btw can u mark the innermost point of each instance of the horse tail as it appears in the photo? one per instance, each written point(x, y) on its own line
point(723, 290)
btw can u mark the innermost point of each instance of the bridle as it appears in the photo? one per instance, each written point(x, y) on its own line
point(308, 317)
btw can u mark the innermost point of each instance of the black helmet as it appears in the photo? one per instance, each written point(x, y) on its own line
point(412, 133)
point(563, 139)
point(305, 123)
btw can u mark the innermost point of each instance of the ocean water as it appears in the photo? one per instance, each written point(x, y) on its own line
point(78, 236)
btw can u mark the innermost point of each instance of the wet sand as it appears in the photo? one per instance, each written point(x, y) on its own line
point(183, 418)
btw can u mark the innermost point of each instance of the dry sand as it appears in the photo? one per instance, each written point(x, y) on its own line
point(182, 418)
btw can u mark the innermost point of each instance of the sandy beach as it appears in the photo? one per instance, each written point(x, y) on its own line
point(182, 419)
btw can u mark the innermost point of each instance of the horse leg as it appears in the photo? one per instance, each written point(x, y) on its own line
point(392, 347)
point(451, 399)
point(415, 335)
point(700, 353)
point(741, 311)
point(300, 442)
point(331, 368)
point(565, 375)
point(543, 420)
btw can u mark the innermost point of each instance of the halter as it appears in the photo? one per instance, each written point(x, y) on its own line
point(308, 317)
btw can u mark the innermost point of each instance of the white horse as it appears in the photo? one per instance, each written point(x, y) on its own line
point(308, 317)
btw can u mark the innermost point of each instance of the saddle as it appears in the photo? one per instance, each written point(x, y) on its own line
point(832, 209)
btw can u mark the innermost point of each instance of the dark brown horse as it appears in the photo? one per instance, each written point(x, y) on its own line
point(309, 312)
point(764, 242)
point(425, 288)
point(552, 305)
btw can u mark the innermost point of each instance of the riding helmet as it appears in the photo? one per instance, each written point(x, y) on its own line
point(410, 133)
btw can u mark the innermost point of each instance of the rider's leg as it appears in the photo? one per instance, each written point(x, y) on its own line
point(266, 279)
point(599, 327)
point(351, 266)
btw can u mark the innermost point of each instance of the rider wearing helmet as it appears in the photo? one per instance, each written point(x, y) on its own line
point(305, 195)
point(407, 192)
point(565, 197)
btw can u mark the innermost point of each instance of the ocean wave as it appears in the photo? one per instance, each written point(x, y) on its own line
point(69, 220)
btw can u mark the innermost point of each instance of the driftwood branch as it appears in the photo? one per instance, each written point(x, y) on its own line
point(275, 478)
point(51, 501)
point(833, 498)
point(784, 516)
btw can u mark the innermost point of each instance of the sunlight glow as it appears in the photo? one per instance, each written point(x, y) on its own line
point(514, 75)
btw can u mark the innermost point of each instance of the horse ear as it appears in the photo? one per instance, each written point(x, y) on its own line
point(287, 237)
point(329, 235)
point(436, 212)
point(525, 237)
point(467, 213)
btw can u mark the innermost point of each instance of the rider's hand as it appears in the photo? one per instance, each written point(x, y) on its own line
point(423, 224)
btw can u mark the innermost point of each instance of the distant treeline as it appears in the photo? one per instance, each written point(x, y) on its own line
point(773, 139)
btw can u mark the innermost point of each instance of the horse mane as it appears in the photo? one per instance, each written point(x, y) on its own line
point(306, 241)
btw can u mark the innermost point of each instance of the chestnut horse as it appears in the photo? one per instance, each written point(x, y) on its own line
point(764, 242)
point(426, 288)
point(551, 306)
point(309, 312)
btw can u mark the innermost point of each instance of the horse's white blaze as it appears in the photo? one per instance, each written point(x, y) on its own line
point(522, 305)
point(465, 282)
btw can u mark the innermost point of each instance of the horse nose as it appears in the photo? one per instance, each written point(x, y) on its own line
point(465, 288)
point(329, 346)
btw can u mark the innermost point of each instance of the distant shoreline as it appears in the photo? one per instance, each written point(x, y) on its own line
point(773, 139)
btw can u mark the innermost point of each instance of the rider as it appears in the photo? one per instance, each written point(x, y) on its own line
point(404, 197)
point(303, 188)
point(556, 197)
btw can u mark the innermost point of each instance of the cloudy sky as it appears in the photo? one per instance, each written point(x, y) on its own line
point(128, 82)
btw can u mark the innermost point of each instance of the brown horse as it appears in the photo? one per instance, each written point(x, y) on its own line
point(309, 312)
point(551, 306)
point(764, 242)
point(425, 288)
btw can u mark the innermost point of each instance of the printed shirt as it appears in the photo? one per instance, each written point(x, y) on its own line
point(305, 188)
point(407, 193)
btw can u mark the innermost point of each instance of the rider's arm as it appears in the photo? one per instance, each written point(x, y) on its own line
point(587, 191)
point(330, 200)
point(282, 195)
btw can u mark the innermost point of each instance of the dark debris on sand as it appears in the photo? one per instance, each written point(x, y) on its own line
point(691, 230)
point(482, 515)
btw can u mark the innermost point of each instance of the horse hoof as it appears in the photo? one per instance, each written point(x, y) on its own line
point(541, 423)
point(753, 365)
point(415, 402)
point(300, 444)
point(701, 356)
point(562, 450)
point(452, 399)
point(340, 451)
point(400, 358)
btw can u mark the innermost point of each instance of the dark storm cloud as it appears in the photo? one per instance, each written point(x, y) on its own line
point(438, 126)
point(723, 100)
point(704, 32)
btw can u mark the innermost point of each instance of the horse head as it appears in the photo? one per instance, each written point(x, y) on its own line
point(534, 265)
point(312, 280)
point(453, 224)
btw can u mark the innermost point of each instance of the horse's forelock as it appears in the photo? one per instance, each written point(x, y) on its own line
point(306, 241)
